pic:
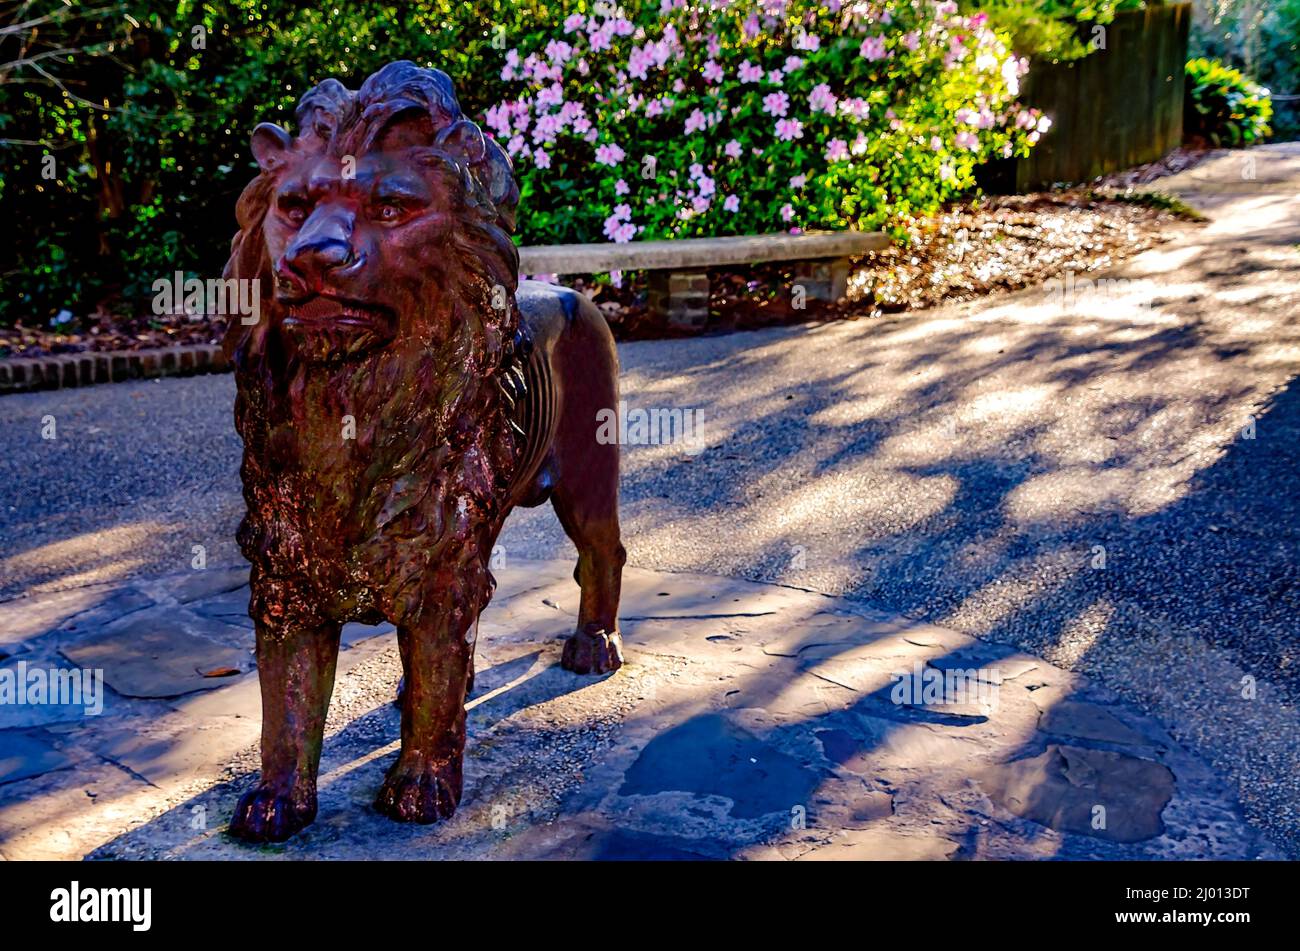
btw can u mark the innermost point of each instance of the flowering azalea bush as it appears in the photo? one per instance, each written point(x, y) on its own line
point(711, 117)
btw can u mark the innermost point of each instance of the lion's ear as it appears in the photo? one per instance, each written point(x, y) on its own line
point(270, 146)
point(464, 140)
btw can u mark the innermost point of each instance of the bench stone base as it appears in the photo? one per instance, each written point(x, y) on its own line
point(823, 280)
point(680, 296)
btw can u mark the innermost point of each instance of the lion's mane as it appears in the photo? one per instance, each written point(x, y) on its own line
point(414, 500)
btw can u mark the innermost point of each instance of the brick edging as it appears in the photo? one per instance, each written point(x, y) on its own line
point(25, 374)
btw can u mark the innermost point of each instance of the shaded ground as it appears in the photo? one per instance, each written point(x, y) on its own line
point(1107, 479)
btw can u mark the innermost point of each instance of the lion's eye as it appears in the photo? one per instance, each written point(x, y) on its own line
point(389, 212)
point(294, 208)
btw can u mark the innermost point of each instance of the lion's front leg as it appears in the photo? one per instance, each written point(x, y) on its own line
point(296, 661)
point(424, 785)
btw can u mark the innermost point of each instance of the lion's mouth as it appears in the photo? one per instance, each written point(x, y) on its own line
point(334, 310)
point(326, 326)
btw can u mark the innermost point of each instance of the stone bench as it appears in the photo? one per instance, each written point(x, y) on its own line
point(679, 281)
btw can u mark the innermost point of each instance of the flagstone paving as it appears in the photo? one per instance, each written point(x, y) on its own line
point(752, 721)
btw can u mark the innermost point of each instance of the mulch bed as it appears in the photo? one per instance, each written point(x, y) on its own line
point(974, 248)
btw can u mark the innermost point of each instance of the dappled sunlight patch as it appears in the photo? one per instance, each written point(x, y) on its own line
point(1070, 494)
point(1017, 589)
point(88, 558)
point(863, 407)
point(1005, 405)
point(1167, 260)
point(1080, 634)
point(915, 499)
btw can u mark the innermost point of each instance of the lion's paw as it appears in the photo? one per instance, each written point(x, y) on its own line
point(593, 652)
point(418, 791)
point(268, 814)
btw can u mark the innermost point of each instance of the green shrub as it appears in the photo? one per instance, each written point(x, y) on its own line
point(1053, 29)
point(1223, 107)
point(748, 117)
point(1263, 41)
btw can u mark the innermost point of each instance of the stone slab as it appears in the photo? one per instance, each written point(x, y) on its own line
point(163, 653)
point(1064, 788)
point(23, 756)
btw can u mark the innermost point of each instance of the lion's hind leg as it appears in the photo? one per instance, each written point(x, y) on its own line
point(590, 519)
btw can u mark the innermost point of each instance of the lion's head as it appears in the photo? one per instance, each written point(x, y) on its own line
point(385, 212)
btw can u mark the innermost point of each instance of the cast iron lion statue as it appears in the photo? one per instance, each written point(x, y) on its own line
point(401, 392)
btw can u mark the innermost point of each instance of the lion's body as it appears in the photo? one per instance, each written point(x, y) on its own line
point(404, 394)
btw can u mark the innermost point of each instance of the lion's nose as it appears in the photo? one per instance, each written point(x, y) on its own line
point(320, 253)
point(324, 244)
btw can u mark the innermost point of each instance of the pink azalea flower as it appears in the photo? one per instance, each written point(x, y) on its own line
point(609, 154)
point(731, 203)
point(696, 121)
point(788, 129)
point(787, 212)
point(712, 72)
point(857, 107)
point(837, 150)
point(873, 48)
point(639, 62)
point(799, 181)
point(749, 73)
point(541, 159)
point(620, 187)
point(810, 42)
point(776, 103)
point(558, 51)
point(821, 99)
point(732, 149)
point(792, 64)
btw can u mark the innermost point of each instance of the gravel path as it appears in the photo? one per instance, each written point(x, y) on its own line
point(1109, 481)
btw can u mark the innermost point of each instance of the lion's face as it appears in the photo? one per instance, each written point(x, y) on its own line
point(356, 247)
point(381, 222)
